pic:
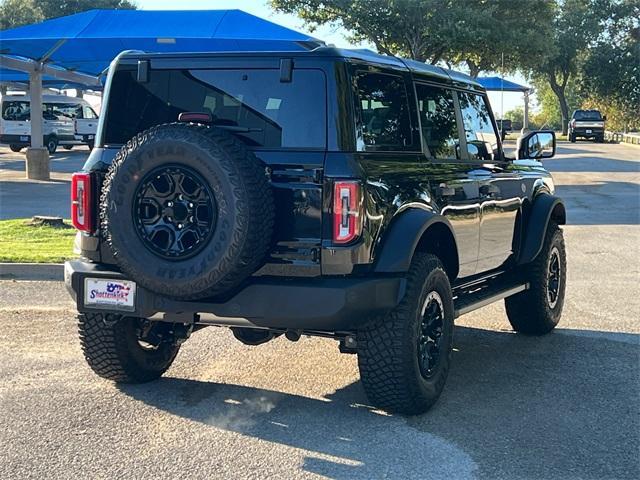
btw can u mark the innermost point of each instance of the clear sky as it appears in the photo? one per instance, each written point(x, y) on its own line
point(335, 36)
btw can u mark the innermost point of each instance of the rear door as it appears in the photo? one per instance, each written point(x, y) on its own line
point(59, 119)
point(452, 177)
point(16, 115)
point(86, 125)
point(282, 121)
point(499, 187)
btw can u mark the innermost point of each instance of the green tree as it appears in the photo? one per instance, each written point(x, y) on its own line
point(15, 13)
point(475, 32)
point(491, 30)
point(577, 25)
point(550, 114)
point(516, 115)
point(610, 79)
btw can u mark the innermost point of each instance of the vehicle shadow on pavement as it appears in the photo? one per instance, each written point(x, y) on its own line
point(564, 405)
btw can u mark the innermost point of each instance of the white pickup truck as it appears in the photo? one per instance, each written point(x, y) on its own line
point(67, 121)
point(587, 124)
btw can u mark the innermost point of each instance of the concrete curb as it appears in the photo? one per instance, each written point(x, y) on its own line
point(32, 271)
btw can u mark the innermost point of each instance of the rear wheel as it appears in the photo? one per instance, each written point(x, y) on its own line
point(404, 357)
point(572, 138)
point(537, 311)
point(67, 147)
point(52, 144)
point(127, 349)
point(15, 148)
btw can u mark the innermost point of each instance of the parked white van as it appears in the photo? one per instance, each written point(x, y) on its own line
point(63, 115)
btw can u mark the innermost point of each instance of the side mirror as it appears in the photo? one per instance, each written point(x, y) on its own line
point(604, 118)
point(536, 145)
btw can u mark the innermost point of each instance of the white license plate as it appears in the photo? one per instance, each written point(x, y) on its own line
point(90, 137)
point(588, 131)
point(24, 138)
point(111, 294)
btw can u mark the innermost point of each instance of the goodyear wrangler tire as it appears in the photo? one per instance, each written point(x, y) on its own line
point(404, 357)
point(187, 211)
point(113, 351)
point(537, 311)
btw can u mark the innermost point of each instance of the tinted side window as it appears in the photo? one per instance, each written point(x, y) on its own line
point(383, 122)
point(482, 140)
point(252, 104)
point(65, 112)
point(438, 121)
point(16, 110)
point(88, 112)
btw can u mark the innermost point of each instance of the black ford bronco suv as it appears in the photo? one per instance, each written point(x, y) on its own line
point(335, 193)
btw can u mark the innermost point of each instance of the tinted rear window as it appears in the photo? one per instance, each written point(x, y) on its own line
point(20, 110)
point(254, 104)
point(587, 115)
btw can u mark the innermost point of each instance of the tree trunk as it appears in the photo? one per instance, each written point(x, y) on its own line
point(474, 68)
point(564, 109)
point(560, 92)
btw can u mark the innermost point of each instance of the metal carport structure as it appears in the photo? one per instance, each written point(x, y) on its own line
point(78, 48)
point(500, 84)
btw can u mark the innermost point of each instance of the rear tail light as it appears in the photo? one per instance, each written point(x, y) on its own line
point(573, 123)
point(82, 202)
point(346, 211)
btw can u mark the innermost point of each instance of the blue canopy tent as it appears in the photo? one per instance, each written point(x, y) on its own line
point(78, 48)
point(499, 84)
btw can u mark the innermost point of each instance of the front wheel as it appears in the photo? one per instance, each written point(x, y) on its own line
point(15, 148)
point(572, 138)
point(537, 311)
point(404, 357)
point(126, 349)
point(52, 144)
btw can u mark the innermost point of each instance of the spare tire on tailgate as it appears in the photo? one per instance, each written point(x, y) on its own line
point(187, 211)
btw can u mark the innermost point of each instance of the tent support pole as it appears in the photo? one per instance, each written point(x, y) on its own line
point(525, 120)
point(37, 157)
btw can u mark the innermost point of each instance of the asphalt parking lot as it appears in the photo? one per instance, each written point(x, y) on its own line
point(22, 198)
point(566, 405)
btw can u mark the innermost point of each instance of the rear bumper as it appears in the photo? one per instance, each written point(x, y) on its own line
point(319, 304)
point(85, 138)
point(23, 140)
point(592, 131)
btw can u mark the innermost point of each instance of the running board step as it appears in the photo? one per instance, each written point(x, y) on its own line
point(471, 301)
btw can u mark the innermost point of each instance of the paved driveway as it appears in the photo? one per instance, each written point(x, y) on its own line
point(22, 198)
point(563, 406)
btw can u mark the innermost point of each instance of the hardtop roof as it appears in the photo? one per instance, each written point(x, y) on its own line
point(357, 55)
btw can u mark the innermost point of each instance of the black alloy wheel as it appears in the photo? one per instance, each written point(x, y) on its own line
point(554, 276)
point(430, 336)
point(174, 211)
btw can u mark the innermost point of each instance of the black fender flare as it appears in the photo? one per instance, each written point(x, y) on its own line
point(544, 208)
point(402, 237)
